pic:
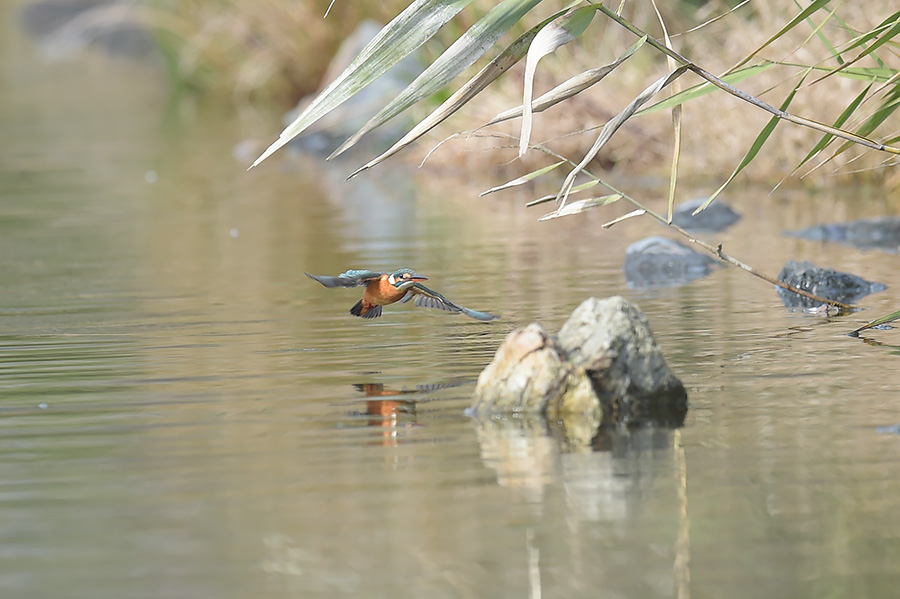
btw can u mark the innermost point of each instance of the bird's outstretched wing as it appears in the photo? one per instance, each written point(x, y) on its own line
point(429, 298)
point(351, 278)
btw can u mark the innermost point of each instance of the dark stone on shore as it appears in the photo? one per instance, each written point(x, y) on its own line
point(604, 367)
point(662, 262)
point(63, 28)
point(718, 216)
point(824, 282)
point(881, 233)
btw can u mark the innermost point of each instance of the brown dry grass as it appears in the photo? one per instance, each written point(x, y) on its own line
point(718, 129)
point(279, 49)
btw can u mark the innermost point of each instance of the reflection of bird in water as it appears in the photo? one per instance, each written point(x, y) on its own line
point(387, 288)
point(386, 412)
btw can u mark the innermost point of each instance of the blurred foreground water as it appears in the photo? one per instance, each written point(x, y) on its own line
point(184, 414)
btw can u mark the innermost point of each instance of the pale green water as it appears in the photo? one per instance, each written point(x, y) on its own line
point(178, 415)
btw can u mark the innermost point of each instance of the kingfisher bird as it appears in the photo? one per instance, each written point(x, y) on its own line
point(384, 288)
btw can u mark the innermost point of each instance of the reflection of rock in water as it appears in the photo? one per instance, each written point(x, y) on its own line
point(718, 216)
point(606, 484)
point(610, 483)
point(521, 453)
point(662, 262)
point(881, 233)
point(824, 282)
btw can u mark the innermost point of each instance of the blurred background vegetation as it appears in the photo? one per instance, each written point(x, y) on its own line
point(271, 53)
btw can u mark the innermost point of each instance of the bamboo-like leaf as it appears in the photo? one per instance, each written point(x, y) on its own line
point(742, 95)
point(702, 89)
point(404, 34)
point(557, 33)
point(477, 40)
point(879, 74)
point(878, 321)
point(813, 7)
point(757, 145)
point(576, 189)
point(523, 179)
point(888, 29)
point(568, 88)
point(676, 119)
point(582, 206)
point(510, 56)
point(826, 139)
point(632, 214)
point(886, 109)
point(817, 32)
point(612, 126)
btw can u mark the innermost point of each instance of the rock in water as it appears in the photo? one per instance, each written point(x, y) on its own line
point(881, 233)
point(718, 216)
point(824, 282)
point(604, 365)
point(662, 262)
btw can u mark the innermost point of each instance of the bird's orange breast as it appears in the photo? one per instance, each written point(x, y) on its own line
point(381, 293)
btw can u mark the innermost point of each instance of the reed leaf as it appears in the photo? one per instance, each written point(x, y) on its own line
point(499, 65)
point(468, 48)
point(802, 16)
point(558, 32)
point(404, 34)
point(704, 88)
point(757, 145)
point(568, 88)
point(582, 206)
point(612, 126)
point(523, 179)
point(889, 28)
point(877, 322)
point(826, 139)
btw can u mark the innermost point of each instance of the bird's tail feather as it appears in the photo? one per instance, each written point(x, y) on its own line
point(357, 310)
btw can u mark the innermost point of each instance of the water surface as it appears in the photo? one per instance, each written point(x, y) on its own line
point(184, 414)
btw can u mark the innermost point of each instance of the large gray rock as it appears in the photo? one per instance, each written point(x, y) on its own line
point(604, 366)
point(823, 282)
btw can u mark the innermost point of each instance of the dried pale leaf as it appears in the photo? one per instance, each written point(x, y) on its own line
point(404, 34)
point(523, 179)
point(574, 190)
point(510, 56)
point(632, 214)
point(582, 206)
point(568, 88)
point(470, 46)
point(559, 32)
point(613, 125)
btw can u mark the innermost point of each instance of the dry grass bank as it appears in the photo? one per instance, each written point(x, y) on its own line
point(279, 48)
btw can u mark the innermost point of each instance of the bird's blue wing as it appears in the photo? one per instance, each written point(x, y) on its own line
point(351, 278)
point(429, 298)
